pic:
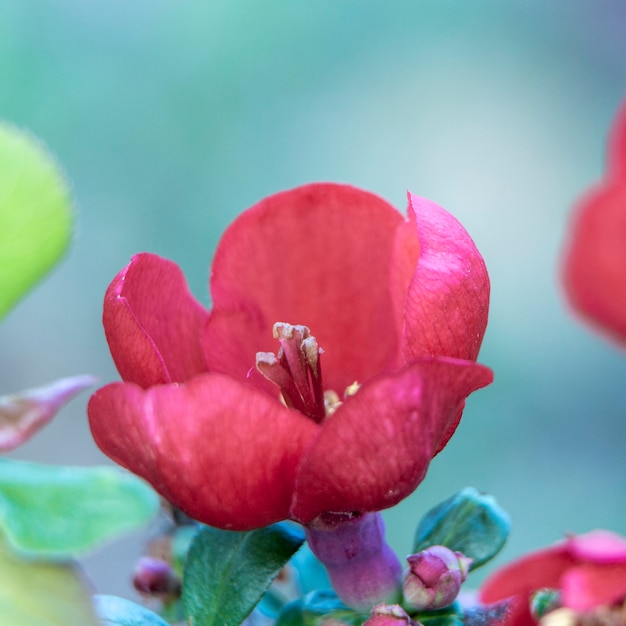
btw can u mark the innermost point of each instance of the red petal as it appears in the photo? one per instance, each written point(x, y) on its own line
point(530, 573)
point(448, 297)
point(375, 449)
point(318, 255)
point(224, 453)
point(594, 272)
point(616, 166)
point(153, 323)
point(588, 586)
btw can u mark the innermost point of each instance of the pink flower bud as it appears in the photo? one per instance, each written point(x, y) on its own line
point(155, 577)
point(434, 577)
point(388, 615)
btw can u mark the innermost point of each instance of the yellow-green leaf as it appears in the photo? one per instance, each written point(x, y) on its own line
point(40, 593)
point(35, 214)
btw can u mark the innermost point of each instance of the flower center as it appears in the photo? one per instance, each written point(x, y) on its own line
point(297, 371)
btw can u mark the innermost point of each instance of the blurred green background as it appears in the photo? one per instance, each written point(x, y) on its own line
point(171, 117)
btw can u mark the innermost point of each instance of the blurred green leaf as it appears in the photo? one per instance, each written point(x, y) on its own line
point(292, 614)
point(114, 611)
point(227, 572)
point(59, 511)
point(35, 214)
point(181, 542)
point(469, 522)
point(35, 593)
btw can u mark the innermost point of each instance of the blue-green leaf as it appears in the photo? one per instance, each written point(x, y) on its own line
point(57, 511)
point(312, 575)
point(469, 522)
point(449, 616)
point(317, 607)
point(114, 611)
point(227, 572)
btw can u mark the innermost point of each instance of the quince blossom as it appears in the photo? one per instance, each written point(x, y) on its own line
point(588, 571)
point(594, 269)
point(377, 319)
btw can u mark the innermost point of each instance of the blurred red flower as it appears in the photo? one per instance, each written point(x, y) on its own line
point(588, 570)
point(398, 305)
point(594, 269)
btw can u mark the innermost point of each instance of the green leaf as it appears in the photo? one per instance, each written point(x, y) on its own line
point(449, 616)
point(469, 522)
point(114, 611)
point(181, 542)
point(59, 511)
point(317, 607)
point(35, 593)
point(292, 614)
point(35, 214)
point(227, 572)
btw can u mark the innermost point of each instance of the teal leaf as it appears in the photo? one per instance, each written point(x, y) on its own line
point(227, 572)
point(317, 607)
point(57, 511)
point(114, 611)
point(292, 614)
point(181, 542)
point(469, 522)
point(35, 214)
point(312, 575)
point(33, 593)
point(449, 616)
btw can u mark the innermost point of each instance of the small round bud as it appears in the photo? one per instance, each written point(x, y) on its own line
point(388, 615)
point(543, 601)
point(434, 578)
point(155, 577)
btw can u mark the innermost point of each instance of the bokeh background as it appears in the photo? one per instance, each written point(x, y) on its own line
point(170, 117)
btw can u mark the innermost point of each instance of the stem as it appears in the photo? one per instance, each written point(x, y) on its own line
point(363, 569)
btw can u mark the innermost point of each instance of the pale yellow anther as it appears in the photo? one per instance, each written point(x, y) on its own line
point(284, 330)
point(311, 352)
point(351, 389)
point(266, 358)
point(331, 402)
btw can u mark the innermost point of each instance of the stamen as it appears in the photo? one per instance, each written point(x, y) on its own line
point(269, 366)
point(292, 357)
point(296, 369)
point(312, 353)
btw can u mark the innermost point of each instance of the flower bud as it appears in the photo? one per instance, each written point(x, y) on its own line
point(543, 601)
point(434, 577)
point(388, 615)
point(155, 577)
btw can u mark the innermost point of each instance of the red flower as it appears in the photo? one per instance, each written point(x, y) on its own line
point(594, 271)
point(400, 306)
point(588, 570)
